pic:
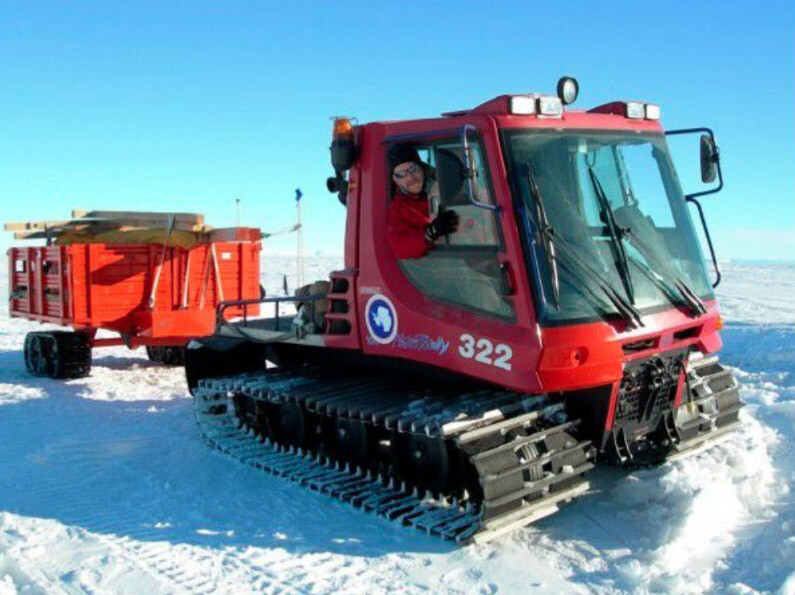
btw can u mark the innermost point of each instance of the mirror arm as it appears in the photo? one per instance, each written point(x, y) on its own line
point(711, 134)
point(691, 199)
point(469, 180)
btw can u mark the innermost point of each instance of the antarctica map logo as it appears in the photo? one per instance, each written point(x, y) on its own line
point(382, 319)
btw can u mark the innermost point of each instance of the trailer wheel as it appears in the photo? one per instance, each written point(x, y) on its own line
point(169, 355)
point(37, 359)
point(58, 354)
point(155, 354)
point(70, 354)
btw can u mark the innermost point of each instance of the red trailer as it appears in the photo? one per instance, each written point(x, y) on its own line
point(151, 295)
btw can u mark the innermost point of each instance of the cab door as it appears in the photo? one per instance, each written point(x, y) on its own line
point(458, 306)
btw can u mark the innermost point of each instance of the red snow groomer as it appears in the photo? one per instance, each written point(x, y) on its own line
point(154, 279)
point(567, 317)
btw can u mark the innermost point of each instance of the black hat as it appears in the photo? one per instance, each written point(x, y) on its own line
point(402, 153)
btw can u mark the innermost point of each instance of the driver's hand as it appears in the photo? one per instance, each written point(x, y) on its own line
point(446, 222)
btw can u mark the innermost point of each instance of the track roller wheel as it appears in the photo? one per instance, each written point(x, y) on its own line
point(291, 425)
point(527, 453)
point(424, 462)
point(350, 442)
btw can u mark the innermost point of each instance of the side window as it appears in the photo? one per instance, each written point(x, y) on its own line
point(460, 268)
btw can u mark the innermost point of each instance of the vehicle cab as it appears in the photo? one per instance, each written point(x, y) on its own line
point(575, 253)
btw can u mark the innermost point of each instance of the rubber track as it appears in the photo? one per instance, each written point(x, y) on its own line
point(480, 423)
point(715, 399)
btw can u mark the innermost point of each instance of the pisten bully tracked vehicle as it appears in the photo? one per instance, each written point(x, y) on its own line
point(570, 319)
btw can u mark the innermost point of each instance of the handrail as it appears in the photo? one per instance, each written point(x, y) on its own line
point(469, 182)
point(694, 201)
point(224, 305)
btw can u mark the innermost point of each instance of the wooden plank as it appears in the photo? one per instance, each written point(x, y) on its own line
point(187, 218)
point(147, 224)
point(32, 225)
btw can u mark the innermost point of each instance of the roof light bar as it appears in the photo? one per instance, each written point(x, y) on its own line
point(545, 106)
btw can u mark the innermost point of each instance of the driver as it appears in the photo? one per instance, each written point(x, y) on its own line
point(409, 227)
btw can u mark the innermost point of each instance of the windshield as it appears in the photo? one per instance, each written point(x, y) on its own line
point(613, 202)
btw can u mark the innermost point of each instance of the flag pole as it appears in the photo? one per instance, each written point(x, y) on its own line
point(299, 239)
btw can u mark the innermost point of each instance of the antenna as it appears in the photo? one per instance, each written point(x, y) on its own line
point(237, 207)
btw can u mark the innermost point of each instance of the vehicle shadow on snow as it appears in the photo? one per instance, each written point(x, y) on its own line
point(114, 362)
point(139, 469)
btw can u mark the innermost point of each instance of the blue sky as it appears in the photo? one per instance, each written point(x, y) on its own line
point(188, 105)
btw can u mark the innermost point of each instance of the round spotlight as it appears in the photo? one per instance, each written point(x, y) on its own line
point(568, 89)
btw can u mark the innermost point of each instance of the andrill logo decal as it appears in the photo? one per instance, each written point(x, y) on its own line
point(422, 342)
point(382, 321)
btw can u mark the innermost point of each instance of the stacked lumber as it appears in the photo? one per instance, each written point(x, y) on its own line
point(129, 227)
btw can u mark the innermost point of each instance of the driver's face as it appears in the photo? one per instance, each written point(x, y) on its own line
point(409, 177)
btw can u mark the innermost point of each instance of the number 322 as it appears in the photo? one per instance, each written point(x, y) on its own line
point(482, 350)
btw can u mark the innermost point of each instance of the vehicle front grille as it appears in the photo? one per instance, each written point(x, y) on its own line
point(648, 389)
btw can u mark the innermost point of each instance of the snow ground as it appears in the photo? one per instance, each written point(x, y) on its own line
point(105, 486)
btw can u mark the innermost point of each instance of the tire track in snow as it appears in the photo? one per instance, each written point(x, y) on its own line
point(72, 470)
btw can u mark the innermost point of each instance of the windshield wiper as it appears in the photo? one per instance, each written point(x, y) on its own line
point(615, 234)
point(550, 239)
point(627, 310)
point(690, 297)
point(687, 294)
point(546, 235)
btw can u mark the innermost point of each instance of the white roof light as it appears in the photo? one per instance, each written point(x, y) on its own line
point(635, 110)
point(550, 106)
point(523, 105)
point(652, 111)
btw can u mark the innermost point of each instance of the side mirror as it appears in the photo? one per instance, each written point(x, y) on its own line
point(339, 185)
point(709, 159)
point(450, 175)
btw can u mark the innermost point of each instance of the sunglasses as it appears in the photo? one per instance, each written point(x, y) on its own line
point(408, 172)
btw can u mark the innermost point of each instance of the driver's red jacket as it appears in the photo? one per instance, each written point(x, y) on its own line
point(408, 217)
